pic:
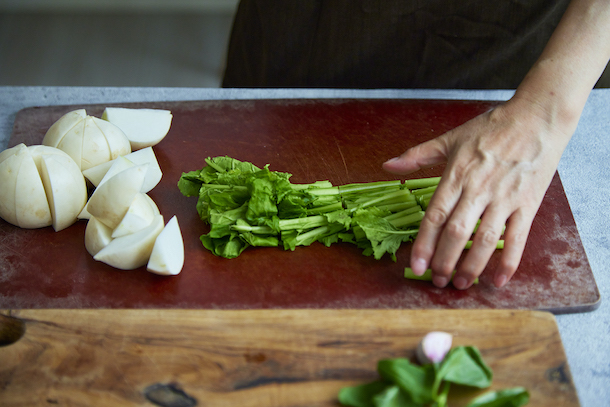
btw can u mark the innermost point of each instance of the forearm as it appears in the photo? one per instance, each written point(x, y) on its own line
point(560, 81)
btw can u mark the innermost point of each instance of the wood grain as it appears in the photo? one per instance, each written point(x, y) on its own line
point(259, 357)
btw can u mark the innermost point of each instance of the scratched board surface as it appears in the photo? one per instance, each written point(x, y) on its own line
point(338, 140)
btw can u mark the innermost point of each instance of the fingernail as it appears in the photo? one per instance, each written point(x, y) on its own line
point(440, 281)
point(391, 160)
point(419, 267)
point(460, 283)
point(501, 280)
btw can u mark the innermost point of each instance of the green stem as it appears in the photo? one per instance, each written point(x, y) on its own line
point(499, 245)
point(325, 208)
point(424, 191)
point(422, 182)
point(427, 276)
point(406, 220)
point(367, 186)
point(385, 198)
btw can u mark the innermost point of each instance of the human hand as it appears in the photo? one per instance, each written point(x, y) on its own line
point(499, 166)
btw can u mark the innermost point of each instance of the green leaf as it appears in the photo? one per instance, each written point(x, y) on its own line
point(229, 217)
point(464, 365)
point(514, 397)
point(189, 183)
point(229, 246)
point(258, 240)
point(289, 239)
point(384, 237)
point(262, 204)
point(416, 381)
point(294, 204)
point(392, 396)
point(361, 396)
point(341, 217)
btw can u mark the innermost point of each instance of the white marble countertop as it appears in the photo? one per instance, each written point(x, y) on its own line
point(584, 172)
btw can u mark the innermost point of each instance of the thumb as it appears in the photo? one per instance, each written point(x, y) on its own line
point(427, 154)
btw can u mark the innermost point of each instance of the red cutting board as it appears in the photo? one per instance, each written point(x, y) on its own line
point(338, 140)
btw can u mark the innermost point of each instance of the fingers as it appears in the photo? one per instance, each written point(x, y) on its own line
point(484, 244)
point(442, 246)
point(424, 155)
point(452, 241)
point(515, 237)
point(437, 215)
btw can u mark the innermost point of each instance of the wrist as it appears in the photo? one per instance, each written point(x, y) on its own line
point(553, 94)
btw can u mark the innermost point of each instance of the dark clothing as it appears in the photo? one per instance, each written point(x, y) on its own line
point(463, 44)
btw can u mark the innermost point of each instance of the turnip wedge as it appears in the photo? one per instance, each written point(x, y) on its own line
point(167, 257)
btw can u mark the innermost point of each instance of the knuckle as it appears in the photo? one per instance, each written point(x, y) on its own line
point(456, 229)
point(487, 236)
point(436, 217)
point(519, 239)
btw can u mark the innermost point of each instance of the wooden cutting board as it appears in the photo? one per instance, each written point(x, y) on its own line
point(338, 140)
point(259, 357)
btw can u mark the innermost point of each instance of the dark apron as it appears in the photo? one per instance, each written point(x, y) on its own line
point(459, 44)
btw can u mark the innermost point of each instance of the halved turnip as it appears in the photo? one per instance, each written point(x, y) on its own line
point(29, 189)
point(131, 251)
point(143, 127)
point(167, 256)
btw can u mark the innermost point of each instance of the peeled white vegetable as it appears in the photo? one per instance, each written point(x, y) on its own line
point(95, 174)
point(63, 125)
point(144, 156)
point(167, 257)
point(90, 141)
point(66, 189)
point(434, 347)
point(143, 127)
point(12, 199)
point(119, 164)
point(111, 200)
point(41, 186)
point(131, 251)
point(97, 236)
point(139, 215)
point(153, 204)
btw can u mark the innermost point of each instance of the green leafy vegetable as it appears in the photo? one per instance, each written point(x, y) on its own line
point(405, 384)
point(246, 206)
point(515, 397)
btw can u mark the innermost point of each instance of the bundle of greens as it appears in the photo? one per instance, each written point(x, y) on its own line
point(405, 384)
point(250, 206)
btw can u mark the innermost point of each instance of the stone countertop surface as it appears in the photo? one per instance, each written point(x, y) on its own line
point(583, 169)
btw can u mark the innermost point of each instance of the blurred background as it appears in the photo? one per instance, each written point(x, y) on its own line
point(114, 42)
point(174, 43)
